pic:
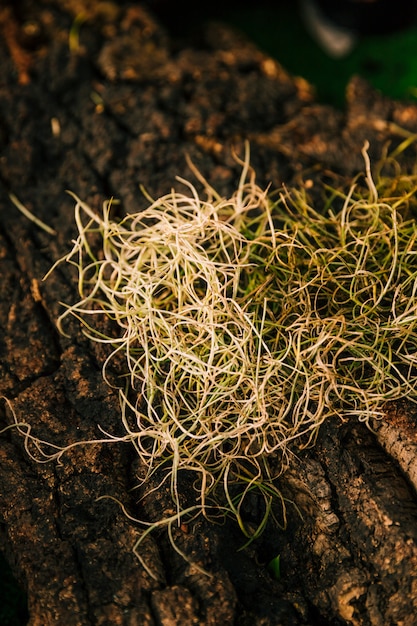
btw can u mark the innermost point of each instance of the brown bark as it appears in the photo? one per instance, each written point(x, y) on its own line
point(105, 103)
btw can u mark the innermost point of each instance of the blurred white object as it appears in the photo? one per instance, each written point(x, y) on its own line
point(335, 40)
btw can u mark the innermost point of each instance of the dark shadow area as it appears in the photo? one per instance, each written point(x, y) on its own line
point(13, 601)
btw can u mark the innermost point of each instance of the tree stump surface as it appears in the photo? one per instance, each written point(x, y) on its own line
point(96, 98)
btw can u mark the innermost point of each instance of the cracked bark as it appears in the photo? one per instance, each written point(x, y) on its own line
point(123, 106)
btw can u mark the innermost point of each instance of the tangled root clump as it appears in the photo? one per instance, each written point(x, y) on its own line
point(246, 322)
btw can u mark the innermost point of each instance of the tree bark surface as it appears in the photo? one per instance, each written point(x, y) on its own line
point(97, 99)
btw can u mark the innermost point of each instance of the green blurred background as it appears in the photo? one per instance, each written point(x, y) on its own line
point(389, 62)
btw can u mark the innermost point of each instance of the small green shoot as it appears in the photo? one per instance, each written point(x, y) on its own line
point(74, 33)
point(274, 567)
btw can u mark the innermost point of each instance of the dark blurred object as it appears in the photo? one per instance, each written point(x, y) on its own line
point(364, 17)
point(337, 24)
point(369, 17)
point(183, 16)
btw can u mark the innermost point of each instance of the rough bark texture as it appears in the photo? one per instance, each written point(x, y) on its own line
point(95, 98)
